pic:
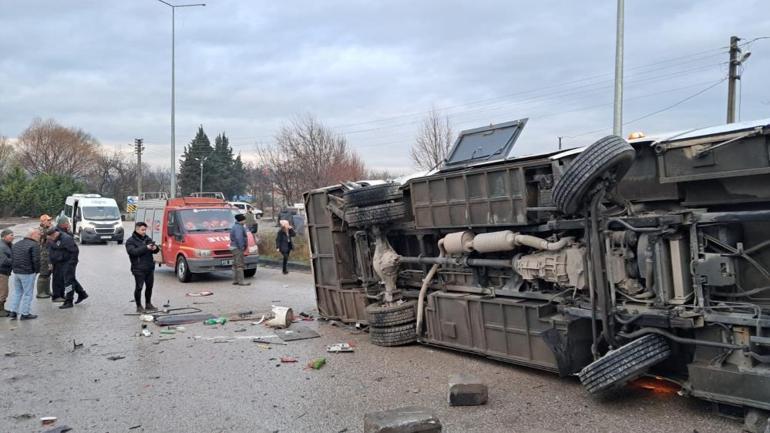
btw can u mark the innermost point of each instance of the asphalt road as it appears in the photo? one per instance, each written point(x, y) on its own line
point(190, 385)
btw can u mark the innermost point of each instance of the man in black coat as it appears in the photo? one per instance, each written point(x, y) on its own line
point(140, 248)
point(63, 253)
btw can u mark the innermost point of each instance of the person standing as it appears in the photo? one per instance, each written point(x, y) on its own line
point(6, 242)
point(251, 222)
point(44, 279)
point(140, 248)
point(64, 254)
point(25, 264)
point(239, 244)
point(62, 225)
point(283, 242)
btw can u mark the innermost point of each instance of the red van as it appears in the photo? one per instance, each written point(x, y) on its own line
point(194, 234)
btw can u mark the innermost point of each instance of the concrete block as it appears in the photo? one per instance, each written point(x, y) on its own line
point(411, 419)
point(466, 390)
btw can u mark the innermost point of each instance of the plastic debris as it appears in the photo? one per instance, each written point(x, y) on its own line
point(168, 331)
point(287, 359)
point(116, 357)
point(317, 363)
point(198, 294)
point(340, 348)
point(217, 321)
point(146, 318)
point(48, 420)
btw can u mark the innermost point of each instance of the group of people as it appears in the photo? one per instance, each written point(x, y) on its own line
point(44, 251)
point(48, 251)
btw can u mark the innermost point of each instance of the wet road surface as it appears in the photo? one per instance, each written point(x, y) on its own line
point(188, 384)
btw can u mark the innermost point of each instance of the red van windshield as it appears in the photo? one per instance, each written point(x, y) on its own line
point(206, 220)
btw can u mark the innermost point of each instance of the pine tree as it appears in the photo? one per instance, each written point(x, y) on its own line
point(238, 184)
point(221, 163)
point(189, 170)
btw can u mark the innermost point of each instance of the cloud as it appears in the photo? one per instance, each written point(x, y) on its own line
point(369, 69)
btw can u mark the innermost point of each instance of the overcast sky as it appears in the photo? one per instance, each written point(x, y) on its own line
point(372, 69)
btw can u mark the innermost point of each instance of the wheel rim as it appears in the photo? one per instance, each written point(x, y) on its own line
point(181, 271)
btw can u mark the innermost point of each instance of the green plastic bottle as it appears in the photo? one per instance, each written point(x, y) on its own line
point(217, 321)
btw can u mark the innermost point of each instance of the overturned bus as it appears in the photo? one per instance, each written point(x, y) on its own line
point(624, 258)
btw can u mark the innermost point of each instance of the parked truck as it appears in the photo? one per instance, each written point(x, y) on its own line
point(609, 262)
point(194, 235)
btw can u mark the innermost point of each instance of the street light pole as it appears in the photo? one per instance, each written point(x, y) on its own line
point(617, 117)
point(202, 161)
point(172, 189)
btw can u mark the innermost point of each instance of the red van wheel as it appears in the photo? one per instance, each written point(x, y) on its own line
point(182, 270)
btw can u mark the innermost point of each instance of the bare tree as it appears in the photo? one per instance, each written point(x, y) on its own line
point(433, 141)
point(48, 147)
point(308, 155)
point(6, 155)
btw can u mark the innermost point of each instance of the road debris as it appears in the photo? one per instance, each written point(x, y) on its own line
point(288, 359)
point(198, 294)
point(216, 321)
point(283, 316)
point(59, 429)
point(48, 420)
point(296, 333)
point(76, 345)
point(116, 357)
point(340, 348)
point(317, 363)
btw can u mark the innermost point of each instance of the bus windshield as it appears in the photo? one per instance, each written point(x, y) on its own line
point(206, 220)
point(100, 213)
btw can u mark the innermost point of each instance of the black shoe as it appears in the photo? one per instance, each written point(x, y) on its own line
point(82, 298)
point(58, 300)
point(5, 313)
point(66, 304)
point(27, 317)
point(149, 307)
point(12, 315)
point(139, 309)
point(285, 272)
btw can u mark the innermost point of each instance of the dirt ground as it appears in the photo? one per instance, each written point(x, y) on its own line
point(187, 382)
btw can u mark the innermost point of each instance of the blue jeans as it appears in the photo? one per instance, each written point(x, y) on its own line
point(22, 293)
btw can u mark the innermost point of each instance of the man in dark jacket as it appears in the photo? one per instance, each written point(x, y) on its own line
point(62, 225)
point(63, 253)
point(140, 248)
point(239, 244)
point(25, 264)
point(283, 242)
point(6, 242)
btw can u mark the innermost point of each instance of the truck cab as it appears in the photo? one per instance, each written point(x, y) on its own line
point(194, 235)
point(94, 218)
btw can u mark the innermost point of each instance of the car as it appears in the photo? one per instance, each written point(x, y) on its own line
point(244, 207)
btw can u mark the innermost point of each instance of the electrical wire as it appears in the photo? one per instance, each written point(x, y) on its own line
point(676, 104)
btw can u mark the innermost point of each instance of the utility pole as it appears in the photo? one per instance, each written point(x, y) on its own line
point(560, 137)
point(138, 149)
point(733, 78)
point(617, 118)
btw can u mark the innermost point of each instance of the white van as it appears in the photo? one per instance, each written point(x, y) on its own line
point(94, 218)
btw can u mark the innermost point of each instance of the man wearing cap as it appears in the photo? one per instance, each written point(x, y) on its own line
point(44, 278)
point(64, 252)
point(239, 244)
point(6, 242)
point(25, 258)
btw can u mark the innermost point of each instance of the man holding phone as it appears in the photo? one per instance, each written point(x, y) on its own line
point(140, 248)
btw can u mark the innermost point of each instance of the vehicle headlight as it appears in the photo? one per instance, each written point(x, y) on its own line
point(202, 253)
point(253, 249)
point(88, 228)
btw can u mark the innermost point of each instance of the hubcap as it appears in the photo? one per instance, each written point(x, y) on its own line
point(181, 269)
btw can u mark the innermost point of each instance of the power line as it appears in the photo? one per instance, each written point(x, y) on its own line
point(698, 93)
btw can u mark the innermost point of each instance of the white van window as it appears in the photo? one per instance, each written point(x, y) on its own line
point(100, 213)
